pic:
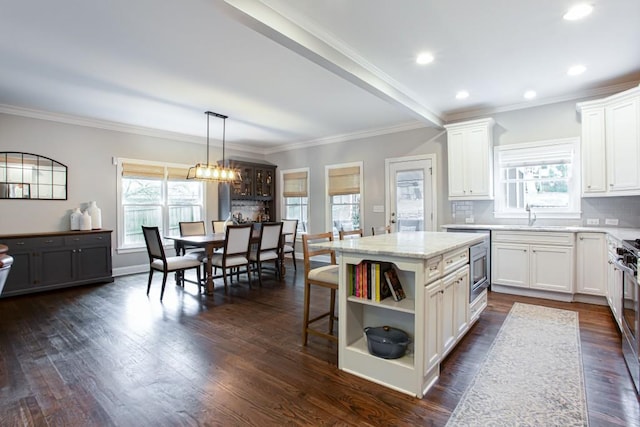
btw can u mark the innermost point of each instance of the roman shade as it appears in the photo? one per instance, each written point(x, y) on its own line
point(344, 181)
point(294, 184)
point(137, 170)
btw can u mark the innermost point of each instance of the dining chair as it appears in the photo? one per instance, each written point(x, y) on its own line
point(380, 230)
point(290, 230)
point(268, 247)
point(219, 226)
point(193, 228)
point(351, 234)
point(235, 254)
point(160, 262)
point(325, 276)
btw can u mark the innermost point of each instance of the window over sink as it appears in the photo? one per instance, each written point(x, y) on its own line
point(543, 175)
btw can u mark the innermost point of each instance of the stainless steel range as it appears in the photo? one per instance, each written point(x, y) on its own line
point(628, 263)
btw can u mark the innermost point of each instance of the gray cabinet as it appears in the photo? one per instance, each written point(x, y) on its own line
point(56, 260)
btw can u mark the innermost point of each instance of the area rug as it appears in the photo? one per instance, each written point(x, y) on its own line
point(532, 374)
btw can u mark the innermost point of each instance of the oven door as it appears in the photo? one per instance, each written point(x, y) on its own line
point(630, 322)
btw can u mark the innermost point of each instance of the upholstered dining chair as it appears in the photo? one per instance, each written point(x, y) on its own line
point(290, 230)
point(219, 226)
point(235, 254)
point(268, 248)
point(193, 228)
point(160, 262)
point(325, 276)
point(351, 234)
point(380, 230)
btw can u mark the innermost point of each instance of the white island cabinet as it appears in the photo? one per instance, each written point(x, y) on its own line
point(433, 269)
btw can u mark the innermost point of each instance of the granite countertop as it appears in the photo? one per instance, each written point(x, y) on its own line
point(618, 233)
point(410, 244)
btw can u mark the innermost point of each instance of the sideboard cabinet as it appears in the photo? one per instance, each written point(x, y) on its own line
point(47, 261)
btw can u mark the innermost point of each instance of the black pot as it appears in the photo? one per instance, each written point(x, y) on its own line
point(387, 342)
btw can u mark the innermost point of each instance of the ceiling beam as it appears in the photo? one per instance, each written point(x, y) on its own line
point(266, 21)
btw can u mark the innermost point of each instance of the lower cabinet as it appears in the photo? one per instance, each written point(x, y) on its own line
point(446, 315)
point(591, 256)
point(614, 289)
point(533, 260)
point(57, 260)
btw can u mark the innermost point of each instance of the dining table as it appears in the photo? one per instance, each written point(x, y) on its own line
point(211, 242)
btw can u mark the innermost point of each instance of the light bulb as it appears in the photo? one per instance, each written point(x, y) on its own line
point(216, 173)
point(223, 174)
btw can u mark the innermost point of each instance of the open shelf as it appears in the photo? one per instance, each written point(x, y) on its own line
point(406, 305)
point(360, 346)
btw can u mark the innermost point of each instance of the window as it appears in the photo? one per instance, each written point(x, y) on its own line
point(544, 175)
point(295, 197)
point(344, 183)
point(155, 194)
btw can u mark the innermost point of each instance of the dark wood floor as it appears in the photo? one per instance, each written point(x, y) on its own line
point(108, 355)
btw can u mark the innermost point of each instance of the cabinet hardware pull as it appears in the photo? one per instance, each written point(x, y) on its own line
point(19, 243)
point(79, 250)
point(450, 261)
point(48, 241)
point(75, 239)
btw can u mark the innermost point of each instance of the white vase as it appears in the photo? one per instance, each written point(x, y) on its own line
point(85, 221)
point(96, 216)
point(75, 219)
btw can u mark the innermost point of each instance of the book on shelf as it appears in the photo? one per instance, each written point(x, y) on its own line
point(393, 281)
point(366, 280)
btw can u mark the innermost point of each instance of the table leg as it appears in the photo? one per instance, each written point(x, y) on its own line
point(209, 269)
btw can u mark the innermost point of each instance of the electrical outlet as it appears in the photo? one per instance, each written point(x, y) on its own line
point(469, 220)
point(611, 221)
point(593, 221)
point(378, 208)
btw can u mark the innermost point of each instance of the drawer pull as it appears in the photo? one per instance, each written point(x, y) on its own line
point(19, 243)
point(76, 239)
point(433, 268)
point(48, 241)
point(449, 261)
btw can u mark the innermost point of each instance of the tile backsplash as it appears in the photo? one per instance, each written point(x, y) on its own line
point(626, 210)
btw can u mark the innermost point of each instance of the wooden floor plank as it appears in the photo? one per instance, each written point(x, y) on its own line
point(110, 355)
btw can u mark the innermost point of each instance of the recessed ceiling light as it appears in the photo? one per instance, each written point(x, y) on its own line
point(578, 11)
point(462, 94)
point(576, 70)
point(424, 58)
point(530, 94)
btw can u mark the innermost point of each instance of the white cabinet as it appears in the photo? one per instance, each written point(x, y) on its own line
point(591, 261)
point(446, 315)
point(435, 315)
point(614, 290)
point(611, 145)
point(470, 160)
point(533, 260)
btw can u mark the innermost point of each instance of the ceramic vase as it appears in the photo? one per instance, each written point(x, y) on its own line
point(85, 221)
point(75, 219)
point(96, 216)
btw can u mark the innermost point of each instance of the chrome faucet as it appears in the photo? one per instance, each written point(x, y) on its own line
point(529, 211)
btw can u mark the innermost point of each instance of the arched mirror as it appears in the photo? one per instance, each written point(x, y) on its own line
point(29, 176)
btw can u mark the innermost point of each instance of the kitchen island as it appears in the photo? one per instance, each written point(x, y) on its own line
point(433, 269)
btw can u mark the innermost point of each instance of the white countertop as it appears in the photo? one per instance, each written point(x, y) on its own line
point(410, 244)
point(618, 233)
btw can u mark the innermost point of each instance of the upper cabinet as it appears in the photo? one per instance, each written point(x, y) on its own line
point(611, 145)
point(255, 188)
point(470, 151)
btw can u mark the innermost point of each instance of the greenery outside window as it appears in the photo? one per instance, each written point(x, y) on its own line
point(344, 184)
point(295, 197)
point(155, 194)
point(543, 175)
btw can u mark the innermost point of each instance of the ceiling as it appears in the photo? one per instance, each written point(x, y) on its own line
point(296, 72)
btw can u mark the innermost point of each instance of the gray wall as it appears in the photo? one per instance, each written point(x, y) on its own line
point(88, 153)
point(372, 152)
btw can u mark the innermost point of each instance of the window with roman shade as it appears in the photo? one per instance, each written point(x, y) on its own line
point(155, 194)
point(544, 175)
point(344, 184)
point(295, 196)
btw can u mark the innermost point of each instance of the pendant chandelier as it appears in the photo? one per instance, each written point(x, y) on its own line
point(214, 172)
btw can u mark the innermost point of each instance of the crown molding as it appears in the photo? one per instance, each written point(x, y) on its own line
point(600, 91)
point(348, 137)
point(119, 127)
